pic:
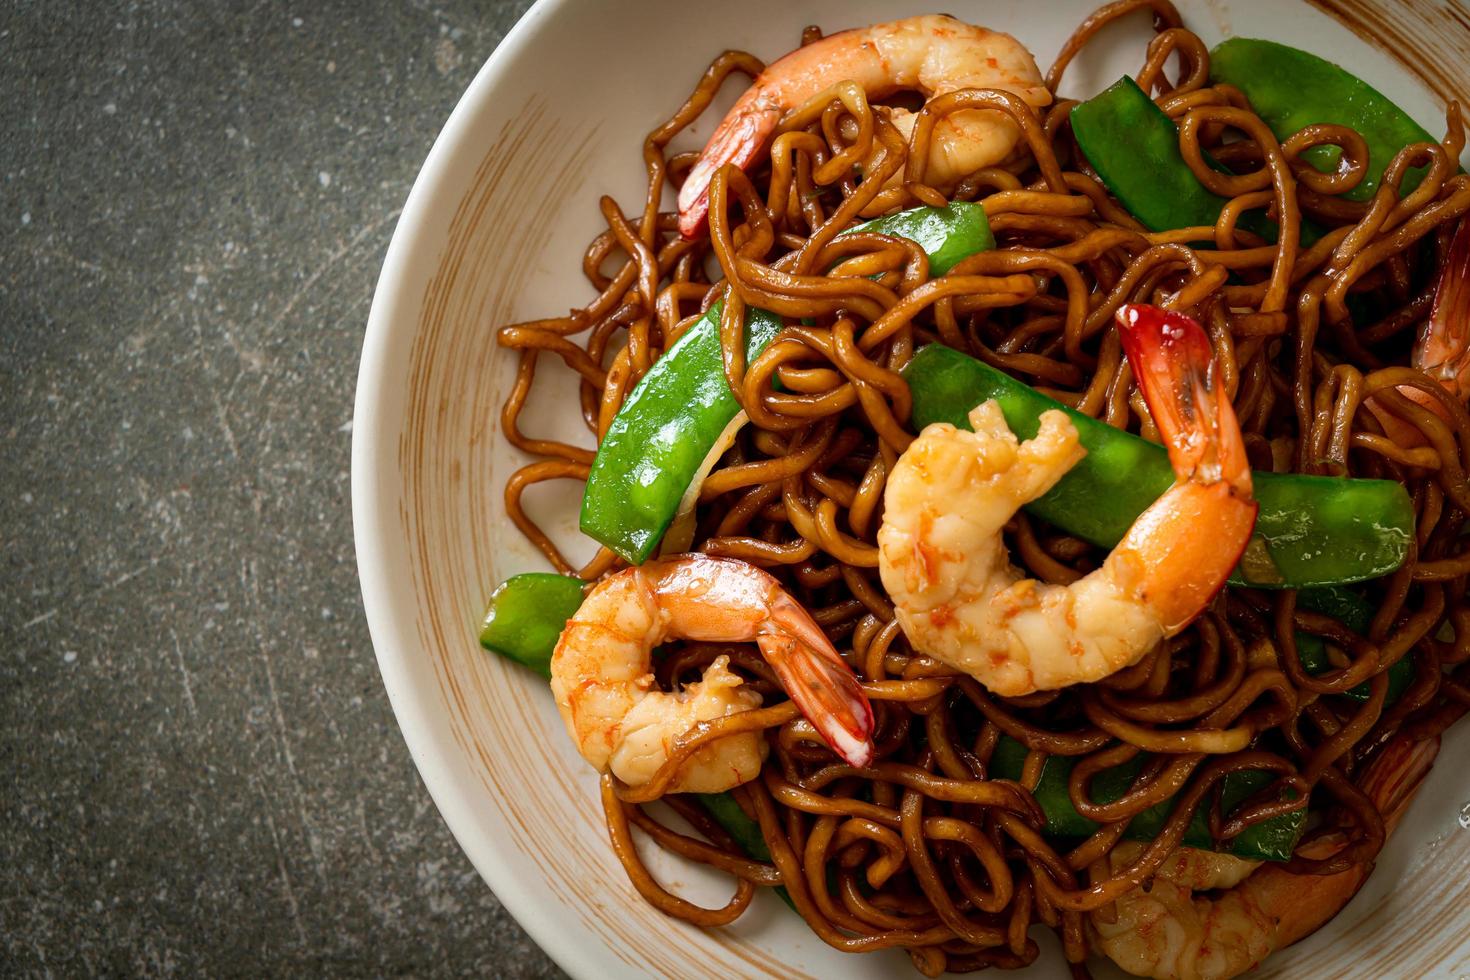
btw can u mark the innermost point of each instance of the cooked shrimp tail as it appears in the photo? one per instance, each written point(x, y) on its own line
point(1175, 367)
point(603, 683)
point(1171, 357)
point(1442, 350)
point(1392, 779)
point(816, 678)
point(740, 139)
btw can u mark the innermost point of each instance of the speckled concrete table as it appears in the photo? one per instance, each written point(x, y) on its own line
point(201, 774)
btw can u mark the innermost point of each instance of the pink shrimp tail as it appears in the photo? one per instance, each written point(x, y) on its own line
point(822, 686)
point(1442, 350)
point(745, 132)
point(1192, 537)
point(1171, 357)
point(739, 140)
point(1392, 779)
point(721, 599)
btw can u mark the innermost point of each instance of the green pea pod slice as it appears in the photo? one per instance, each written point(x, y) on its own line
point(674, 416)
point(526, 615)
point(948, 235)
point(1348, 608)
point(1134, 147)
point(1313, 654)
point(1291, 89)
point(664, 430)
point(1311, 530)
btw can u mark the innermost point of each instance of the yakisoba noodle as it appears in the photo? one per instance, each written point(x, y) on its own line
point(921, 851)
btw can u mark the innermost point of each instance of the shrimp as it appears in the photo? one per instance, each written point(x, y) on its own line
point(934, 54)
point(1163, 930)
point(1442, 349)
point(602, 681)
point(943, 561)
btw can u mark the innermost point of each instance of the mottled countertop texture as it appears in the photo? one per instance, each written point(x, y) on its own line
point(201, 773)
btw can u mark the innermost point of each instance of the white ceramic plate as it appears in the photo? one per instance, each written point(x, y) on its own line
point(492, 234)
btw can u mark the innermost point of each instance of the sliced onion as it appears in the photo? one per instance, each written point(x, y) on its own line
point(680, 534)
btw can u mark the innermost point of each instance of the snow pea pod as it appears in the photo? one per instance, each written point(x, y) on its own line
point(1312, 530)
point(662, 433)
point(525, 617)
point(947, 235)
point(676, 413)
point(1291, 89)
point(1134, 147)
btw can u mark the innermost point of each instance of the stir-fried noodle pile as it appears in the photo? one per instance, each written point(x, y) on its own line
point(922, 851)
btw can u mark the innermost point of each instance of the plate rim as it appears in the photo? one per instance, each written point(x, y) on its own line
point(375, 499)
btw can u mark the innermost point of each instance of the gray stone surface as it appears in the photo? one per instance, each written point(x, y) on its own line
point(201, 774)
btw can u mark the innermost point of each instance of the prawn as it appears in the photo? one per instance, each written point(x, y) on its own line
point(943, 561)
point(602, 680)
point(934, 54)
point(1442, 348)
point(1163, 930)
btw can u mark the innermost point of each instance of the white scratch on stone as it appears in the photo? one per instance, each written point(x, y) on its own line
point(321, 270)
point(122, 579)
point(270, 824)
point(270, 683)
point(38, 620)
point(126, 577)
point(324, 178)
point(362, 828)
point(250, 577)
point(184, 677)
point(223, 417)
